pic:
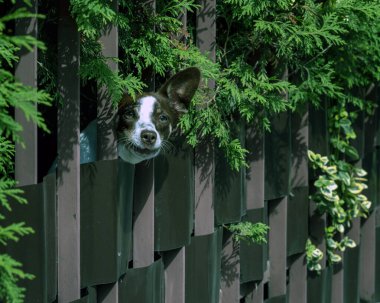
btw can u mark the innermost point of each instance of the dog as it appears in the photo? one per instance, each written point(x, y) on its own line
point(144, 125)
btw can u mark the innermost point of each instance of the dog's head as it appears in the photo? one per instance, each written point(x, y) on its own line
point(146, 123)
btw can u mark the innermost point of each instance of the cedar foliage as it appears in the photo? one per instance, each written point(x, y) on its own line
point(272, 56)
point(15, 95)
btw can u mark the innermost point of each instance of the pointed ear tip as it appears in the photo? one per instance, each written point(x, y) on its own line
point(195, 71)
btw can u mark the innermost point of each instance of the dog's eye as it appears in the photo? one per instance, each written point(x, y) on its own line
point(129, 113)
point(164, 118)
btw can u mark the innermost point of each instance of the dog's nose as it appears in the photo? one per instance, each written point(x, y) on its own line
point(148, 137)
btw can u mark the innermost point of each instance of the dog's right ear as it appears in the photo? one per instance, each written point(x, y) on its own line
point(180, 88)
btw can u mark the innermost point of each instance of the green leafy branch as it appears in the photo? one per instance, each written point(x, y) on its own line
point(249, 232)
point(339, 195)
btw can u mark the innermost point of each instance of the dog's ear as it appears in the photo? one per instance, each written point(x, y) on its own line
point(180, 88)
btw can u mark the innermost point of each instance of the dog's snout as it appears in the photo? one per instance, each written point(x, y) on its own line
point(148, 137)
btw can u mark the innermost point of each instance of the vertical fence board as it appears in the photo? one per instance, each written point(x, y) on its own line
point(318, 142)
point(255, 172)
point(230, 186)
point(50, 241)
point(351, 265)
point(36, 252)
point(299, 176)
point(337, 283)
point(278, 157)
point(230, 272)
point(204, 153)
point(68, 158)
point(143, 285)
point(297, 224)
point(367, 259)
point(106, 110)
point(203, 257)
point(174, 262)
point(143, 225)
point(297, 280)
point(106, 140)
point(26, 168)
point(377, 270)
point(277, 246)
point(174, 207)
point(32, 258)
point(174, 197)
point(252, 256)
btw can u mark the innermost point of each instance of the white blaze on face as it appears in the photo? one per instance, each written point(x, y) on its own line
point(145, 122)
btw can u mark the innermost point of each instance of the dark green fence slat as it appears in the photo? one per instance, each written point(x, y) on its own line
point(367, 259)
point(300, 144)
point(50, 221)
point(358, 142)
point(279, 299)
point(351, 275)
point(297, 223)
point(317, 225)
point(255, 174)
point(378, 176)
point(277, 212)
point(203, 258)
point(370, 164)
point(174, 198)
point(319, 287)
point(106, 225)
point(230, 196)
point(337, 283)
point(230, 269)
point(253, 292)
point(175, 267)
point(297, 285)
point(89, 298)
point(33, 257)
point(205, 151)
point(371, 126)
point(318, 130)
point(377, 270)
point(252, 256)
point(26, 166)
point(277, 157)
point(37, 252)
point(143, 285)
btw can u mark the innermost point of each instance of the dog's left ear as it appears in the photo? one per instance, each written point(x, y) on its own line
point(180, 88)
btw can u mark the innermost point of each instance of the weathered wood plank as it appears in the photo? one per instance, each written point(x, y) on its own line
point(68, 177)
point(255, 173)
point(143, 225)
point(277, 246)
point(106, 141)
point(298, 280)
point(204, 153)
point(230, 281)
point(26, 165)
point(174, 262)
point(299, 174)
point(367, 259)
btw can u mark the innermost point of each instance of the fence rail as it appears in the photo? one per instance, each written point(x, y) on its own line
point(112, 232)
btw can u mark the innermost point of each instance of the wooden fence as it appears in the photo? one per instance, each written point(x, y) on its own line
point(112, 232)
